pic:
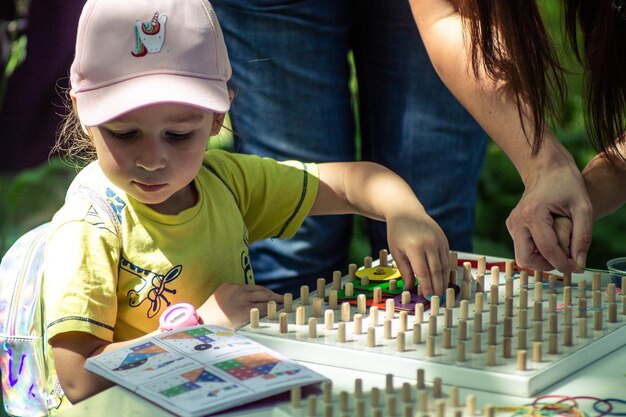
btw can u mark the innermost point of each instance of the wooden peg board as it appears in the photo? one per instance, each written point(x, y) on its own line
point(407, 399)
point(537, 354)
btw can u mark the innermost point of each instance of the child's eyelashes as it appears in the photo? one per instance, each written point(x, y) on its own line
point(123, 135)
point(179, 136)
point(133, 134)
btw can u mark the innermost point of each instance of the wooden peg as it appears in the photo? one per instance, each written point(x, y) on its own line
point(491, 355)
point(348, 289)
point(417, 333)
point(506, 347)
point(282, 323)
point(403, 322)
point(406, 297)
point(300, 315)
point(430, 346)
point(304, 295)
point(419, 312)
point(462, 330)
point(312, 328)
point(432, 325)
point(373, 316)
point(371, 337)
point(361, 304)
point(477, 343)
point(295, 396)
point(332, 299)
point(479, 302)
point(377, 296)
point(495, 276)
point(288, 302)
point(521, 360)
point(553, 343)
point(358, 324)
point(434, 305)
point(481, 265)
point(341, 332)
point(494, 298)
point(390, 308)
point(446, 340)
point(464, 310)
point(493, 314)
point(387, 329)
point(538, 291)
point(400, 341)
point(538, 311)
point(271, 310)
point(329, 319)
point(596, 280)
point(254, 318)
point(337, 280)
point(316, 310)
point(450, 298)
point(351, 272)
point(508, 288)
point(382, 257)
point(345, 311)
point(480, 283)
point(321, 288)
point(508, 268)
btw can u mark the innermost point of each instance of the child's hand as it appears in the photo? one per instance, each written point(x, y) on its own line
point(420, 249)
point(230, 304)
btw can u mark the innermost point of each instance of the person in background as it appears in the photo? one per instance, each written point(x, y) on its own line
point(291, 76)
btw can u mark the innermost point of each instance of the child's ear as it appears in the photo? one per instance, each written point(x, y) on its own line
point(73, 97)
point(218, 122)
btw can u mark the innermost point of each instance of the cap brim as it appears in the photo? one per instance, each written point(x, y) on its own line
point(101, 105)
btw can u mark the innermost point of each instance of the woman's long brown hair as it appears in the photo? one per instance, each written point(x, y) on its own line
point(510, 43)
point(602, 26)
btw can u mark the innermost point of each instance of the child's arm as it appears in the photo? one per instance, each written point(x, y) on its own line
point(418, 244)
point(70, 351)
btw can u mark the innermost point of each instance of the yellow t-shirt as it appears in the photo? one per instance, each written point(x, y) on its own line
point(166, 259)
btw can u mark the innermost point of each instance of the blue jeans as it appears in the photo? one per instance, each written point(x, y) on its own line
point(291, 79)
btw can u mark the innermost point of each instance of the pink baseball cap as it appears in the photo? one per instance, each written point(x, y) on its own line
point(135, 53)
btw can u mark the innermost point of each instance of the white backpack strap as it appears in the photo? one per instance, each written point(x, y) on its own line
point(106, 207)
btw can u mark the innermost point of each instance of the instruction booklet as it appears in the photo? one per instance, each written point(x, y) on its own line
point(201, 370)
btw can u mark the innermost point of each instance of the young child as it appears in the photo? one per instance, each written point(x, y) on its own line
point(149, 85)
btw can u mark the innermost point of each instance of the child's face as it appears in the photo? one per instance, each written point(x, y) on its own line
point(154, 153)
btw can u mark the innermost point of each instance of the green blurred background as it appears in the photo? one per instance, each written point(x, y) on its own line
point(30, 197)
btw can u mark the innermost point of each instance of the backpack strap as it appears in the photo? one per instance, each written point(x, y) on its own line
point(106, 207)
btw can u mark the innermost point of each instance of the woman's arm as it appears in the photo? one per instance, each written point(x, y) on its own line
point(606, 185)
point(419, 246)
point(553, 183)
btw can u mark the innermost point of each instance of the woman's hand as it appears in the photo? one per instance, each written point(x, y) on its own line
point(230, 304)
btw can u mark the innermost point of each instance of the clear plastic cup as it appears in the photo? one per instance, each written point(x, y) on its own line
point(617, 268)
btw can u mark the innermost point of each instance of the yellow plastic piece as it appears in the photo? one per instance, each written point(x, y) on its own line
point(379, 273)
